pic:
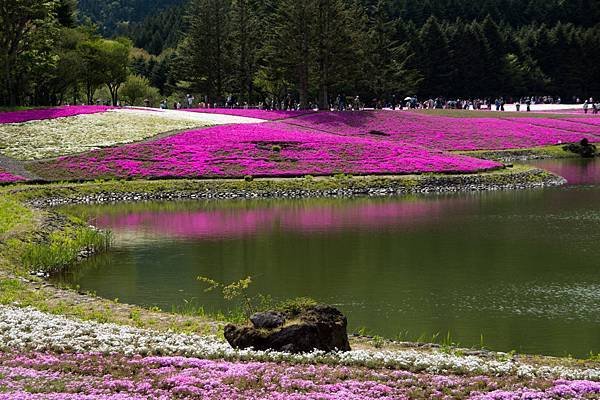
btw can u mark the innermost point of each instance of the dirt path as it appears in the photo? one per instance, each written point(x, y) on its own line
point(16, 167)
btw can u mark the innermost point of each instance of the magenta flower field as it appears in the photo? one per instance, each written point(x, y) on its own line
point(7, 177)
point(90, 376)
point(297, 143)
point(267, 149)
point(270, 115)
point(448, 133)
point(49, 113)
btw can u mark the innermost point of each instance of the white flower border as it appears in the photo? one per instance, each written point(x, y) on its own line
point(33, 330)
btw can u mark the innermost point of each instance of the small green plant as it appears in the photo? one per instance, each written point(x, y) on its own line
point(506, 356)
point(342, 176)
point(295, 306)
point(378, 341)
point(248, 178)
point(189, 307)
point(276, 148)
point(63, 248)
point(362, 331)
point(232, 291)
point(595, 357)
point(135, 316)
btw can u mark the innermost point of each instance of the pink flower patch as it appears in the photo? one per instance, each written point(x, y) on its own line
point(267, 149)
point(49, 113)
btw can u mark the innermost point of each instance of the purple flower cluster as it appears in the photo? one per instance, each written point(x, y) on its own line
point(270, 115)
point(48, 113)
point(447, 133)
point(266, 149)
point(7, 177)
point(94, 376)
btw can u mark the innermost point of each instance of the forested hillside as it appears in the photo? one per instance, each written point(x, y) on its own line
point(113, 17)
point(311, 51)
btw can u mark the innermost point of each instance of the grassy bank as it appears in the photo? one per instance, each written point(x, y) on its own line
point(308, 186)
point(522, 154)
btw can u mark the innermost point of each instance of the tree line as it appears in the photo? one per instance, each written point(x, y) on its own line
point(312, 50)
point(318, 49)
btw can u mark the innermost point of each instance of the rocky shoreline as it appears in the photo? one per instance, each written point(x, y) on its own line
point(296, 188)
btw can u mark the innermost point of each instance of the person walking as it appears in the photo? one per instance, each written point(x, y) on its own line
point(585, 107)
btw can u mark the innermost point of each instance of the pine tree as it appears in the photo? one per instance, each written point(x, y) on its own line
point(288, 56)
point(434, 59)
point(205, 53)
point(339, 47)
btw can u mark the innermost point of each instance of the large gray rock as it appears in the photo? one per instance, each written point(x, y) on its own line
point(318, 327)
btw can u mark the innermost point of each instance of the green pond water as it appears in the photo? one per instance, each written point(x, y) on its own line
point(519, 268)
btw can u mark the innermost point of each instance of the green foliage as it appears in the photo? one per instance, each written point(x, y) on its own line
point(584, 148)
point(313, 50)
point(63, 248)
point(27, 31)
point(232, 291)
point(12, 214)
point(296, 305)
point(136, 90)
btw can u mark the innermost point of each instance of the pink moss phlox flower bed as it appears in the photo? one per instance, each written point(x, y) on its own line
point(595, 121)
point(575, 125)
point(266, 149)
point(49, 113)
point(270, 115)
point(7, 177)
point(449, 133)
point(92, 376)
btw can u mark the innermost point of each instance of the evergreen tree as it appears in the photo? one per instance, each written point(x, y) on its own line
point(434, 59)
point(205, 56)
point(339, 47)
point(288, 56)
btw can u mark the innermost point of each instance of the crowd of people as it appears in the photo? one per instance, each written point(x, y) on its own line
point(342, 102)
point(591, 104)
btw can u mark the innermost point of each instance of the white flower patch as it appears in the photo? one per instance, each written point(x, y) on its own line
point(29, 329)
point(206, 118)
point(62, 136)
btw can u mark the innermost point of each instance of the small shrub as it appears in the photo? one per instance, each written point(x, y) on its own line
point(584, 148)
point(378, 133)
point(63, 248)
point(248, 178)
point(276, 148)
point(296, 306)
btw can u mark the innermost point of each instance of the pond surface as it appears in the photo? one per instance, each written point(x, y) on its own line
point(520, 269)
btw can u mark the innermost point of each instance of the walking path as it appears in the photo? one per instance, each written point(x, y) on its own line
point(214, 119)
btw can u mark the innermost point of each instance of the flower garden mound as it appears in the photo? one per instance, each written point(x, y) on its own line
point(12, 117)
point(75, 134)
point(268, 150)
point(7, 177)
point(27, 329)
point(269, 115)
point(446, 133)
